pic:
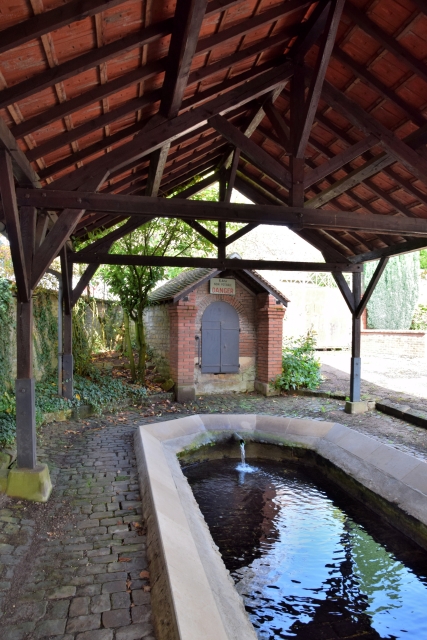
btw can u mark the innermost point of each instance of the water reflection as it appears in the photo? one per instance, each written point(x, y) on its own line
point(305, 567)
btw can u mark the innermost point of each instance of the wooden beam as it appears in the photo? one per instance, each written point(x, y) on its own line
point(251, 151)
point(322, 62)
point(27, 218)
point(252, 24)
point(213, 263)
point(199, 186)
point(240, 233)
point(85, 278)
point(155, 173)
point(22, 170)
point(58, 235)
point(38, 25)
point(345, 290)
point(379, 87)
point(13, 226)
point(66, 272)
point(369, 125)
point(222, 211)
point(395, 250)
point(83, 100)
point(203, 231)
point(338, 161)
point(188, 20)
point(279, 125)
point(179, 126)
point(134, 105)
point(371, 286)
point(82, 63)
point(232, 175)
point(385, 40)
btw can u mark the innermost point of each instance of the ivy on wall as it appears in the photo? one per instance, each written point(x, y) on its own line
point(395, 298)
point(7, 322)
point(46, 325)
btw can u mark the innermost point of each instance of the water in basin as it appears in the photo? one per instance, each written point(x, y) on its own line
point(310, 563)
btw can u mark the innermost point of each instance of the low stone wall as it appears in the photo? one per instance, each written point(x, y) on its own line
point(192, 595)
point(410, 344)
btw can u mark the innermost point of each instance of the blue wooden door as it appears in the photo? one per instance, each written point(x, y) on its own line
point(220, 339)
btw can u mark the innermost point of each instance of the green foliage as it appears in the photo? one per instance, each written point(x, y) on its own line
point(46, 323)
point(301, 369)
point(395, 297)
point(6, 324)
point(423, 259)
point(101, 392)
point(419, 321)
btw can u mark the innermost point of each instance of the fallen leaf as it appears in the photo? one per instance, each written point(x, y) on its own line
point(124, 559)
point(145, 575)
point(146, 588)
point(137, 525)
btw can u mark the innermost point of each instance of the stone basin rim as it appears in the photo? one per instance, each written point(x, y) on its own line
point(193, 595)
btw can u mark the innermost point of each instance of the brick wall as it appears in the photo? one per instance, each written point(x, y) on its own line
point(157, 333)
point(182, 316)
point(270, 335)
point(410, 344)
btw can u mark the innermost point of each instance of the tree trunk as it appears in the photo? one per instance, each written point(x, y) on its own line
point(142, 347)
point(128, 343)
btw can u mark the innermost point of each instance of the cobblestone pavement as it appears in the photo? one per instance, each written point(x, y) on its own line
point(71, 569)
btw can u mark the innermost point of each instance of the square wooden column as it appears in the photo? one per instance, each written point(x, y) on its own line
point(356, 322)
point(269, 342)
point(25, 387)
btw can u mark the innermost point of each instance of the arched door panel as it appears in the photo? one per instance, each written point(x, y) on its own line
point(220, 339)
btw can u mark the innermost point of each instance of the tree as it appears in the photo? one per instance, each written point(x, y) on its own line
point(132, 284)
point(395, 297)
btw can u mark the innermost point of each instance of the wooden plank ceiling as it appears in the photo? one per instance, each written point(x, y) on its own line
point(323, 104)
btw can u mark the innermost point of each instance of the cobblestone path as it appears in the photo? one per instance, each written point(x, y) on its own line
point(71, 569)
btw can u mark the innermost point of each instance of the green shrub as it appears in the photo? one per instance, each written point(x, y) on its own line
point(101, 392)
point(301, 369)
point(419, 321)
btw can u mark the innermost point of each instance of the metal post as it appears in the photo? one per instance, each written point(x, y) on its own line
point(355, 368)
point(24, 387)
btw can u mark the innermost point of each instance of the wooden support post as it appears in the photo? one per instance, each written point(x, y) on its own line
point(24, 387)
point(355, 368)
point(67, 328)
point(222, 233)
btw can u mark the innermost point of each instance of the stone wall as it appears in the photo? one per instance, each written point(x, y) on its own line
point(157, 333)
point(409, 344)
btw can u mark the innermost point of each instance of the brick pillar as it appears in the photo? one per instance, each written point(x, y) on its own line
point(182, 340)
point(269, 342)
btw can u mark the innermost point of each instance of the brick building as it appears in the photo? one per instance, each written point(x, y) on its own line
point(214, 331)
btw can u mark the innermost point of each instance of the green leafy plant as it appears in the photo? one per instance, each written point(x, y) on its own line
point(7, 323)
point(301, 368)
point(419, 321)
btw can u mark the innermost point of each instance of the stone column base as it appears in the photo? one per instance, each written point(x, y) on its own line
point(356, 407)
point(29, 484)
point(265, 388)
point(185, 393)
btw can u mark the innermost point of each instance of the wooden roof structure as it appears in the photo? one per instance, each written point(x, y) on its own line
point(316, 111)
